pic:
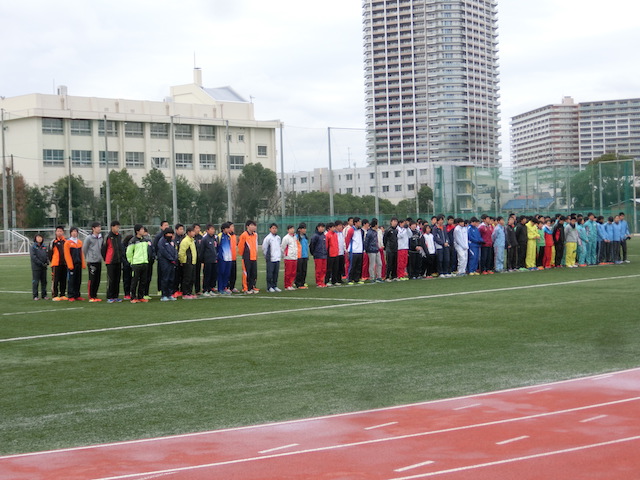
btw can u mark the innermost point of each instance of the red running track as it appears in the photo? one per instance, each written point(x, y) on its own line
point(586, 428)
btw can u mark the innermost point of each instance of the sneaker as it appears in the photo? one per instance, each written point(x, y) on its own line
point(173, 299)
point(350, 283)
point(143, 300)
point(277, 289)
point(63, 298)
point(80, 299)
point(71, 299)
point(247, 292)
point(271, 290)
point(159, 293)
point(303, 287)
point(255, 290)
point(235, 290)
point(290, 289)
point(36, 298)
point(147, 297)
point(94, 300)
point(135, 300)
point(187, 297)
point(165, 299)
point(46, 298)
point(360, 282)
point(111, 300)
point(127, 297)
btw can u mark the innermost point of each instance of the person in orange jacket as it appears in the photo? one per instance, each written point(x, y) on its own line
point(74, 258)
point(58, 266)
point(248, 250)
point(233, 275)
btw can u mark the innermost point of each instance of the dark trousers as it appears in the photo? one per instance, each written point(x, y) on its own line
point(249, 274)
point(197, 277)
point(209, 281)
point(486, 259)
point(512, 258)
point(233, 274)
point(188, 276)
point(177, 281)
point(341, 266)
point(623, 247)
point(442, 255)
point(114, 272)
point(127, 275)
point(559, 253)
point(147, 283)
point(392, 264)
point(166, 276)
point(522, 255)
point(415, 264)
point(93, 284)
point(355, 267)
point(540, 257)
point(332, 271)
point(74, 281)
point(301, 272)
point(59, 281)
point(39, 278)
point(429, 264)
point(453, 258)
point(138, 281)
point(272, 274)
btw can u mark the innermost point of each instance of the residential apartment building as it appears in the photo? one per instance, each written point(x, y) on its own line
point(551, 143)
point(431, 81)
point(50, 136)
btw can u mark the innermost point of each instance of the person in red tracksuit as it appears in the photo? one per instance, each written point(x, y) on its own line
point(332, 277)
point(318, 248)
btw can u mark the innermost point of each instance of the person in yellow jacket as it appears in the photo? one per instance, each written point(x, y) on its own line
point(532, 243)
point(74, 258)
point(188, 257)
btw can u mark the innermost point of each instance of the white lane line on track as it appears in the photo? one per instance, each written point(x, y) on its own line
point(284, 447)
point(301, 420)
point(593, 419)
point(539, 390)
point(381, 426)
point(42, 311)
point(512, 440)
point(464, 407)
point(520, 459)
point(417, 465)
point(368, 442)
point(307, 309)
point(601, 377)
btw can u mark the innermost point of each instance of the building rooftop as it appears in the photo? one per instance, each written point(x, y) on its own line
point(224, 94)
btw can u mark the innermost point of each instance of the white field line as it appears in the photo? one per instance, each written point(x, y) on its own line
point(381, 425)
point(468, 406)
point(511, 440)
point(14, 291)
point(301, 420)
point(42, 311)
point(593, 419)
point(307, 309)
point(376, 441)
point(284, 447)
point(520, 459)
point(411, 467)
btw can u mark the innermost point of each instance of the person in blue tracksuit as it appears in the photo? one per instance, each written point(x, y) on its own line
point(616, 238)
point(303, 261)
point(224, 259)
point(167, 256)
point(475, 242)
point(603, 240)
point(626, 235)
point(499, 239)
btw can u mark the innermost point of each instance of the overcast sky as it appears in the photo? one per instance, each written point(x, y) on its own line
point(302, 62)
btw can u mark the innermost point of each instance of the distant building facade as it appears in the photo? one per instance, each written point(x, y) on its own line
point(51, 136)
point(431, 81)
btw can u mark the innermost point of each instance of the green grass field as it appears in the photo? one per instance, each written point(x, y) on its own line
point(223, 362)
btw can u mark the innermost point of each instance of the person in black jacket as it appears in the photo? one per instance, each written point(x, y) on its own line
point(318, 248)
point(113, 254)
point(390, 240)
point(415, 258)
point(39, 261)
point(558, 239)
point(164, 224)
point(512, 245)
point(167, 256)
point(208, 253)
point(522, 239)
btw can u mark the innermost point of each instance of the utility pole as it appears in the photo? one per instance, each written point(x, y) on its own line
point(107, 182)
point(331, 210)
point(174, 186)
point(229, 190)
point(5, 206)
point(14, 223)
point(69, 189)
point(282, 186)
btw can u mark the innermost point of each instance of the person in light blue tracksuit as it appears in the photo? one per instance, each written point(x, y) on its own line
point(498, 237)
point(616, 238)
point(625, 236)
point(603, 240)
point(592, 234)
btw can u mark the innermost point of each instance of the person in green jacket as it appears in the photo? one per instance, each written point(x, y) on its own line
point(138, 258)
point(540, 243)
point(188, 257)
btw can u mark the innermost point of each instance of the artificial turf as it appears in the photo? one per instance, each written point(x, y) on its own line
point(306, 353)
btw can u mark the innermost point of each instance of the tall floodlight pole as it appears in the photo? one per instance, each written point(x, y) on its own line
point(633, 195)
point(5, 206)
point(69, 196)
point(107, 182)
point(174, 185)
point(229, 191)
point(377, 188)
point(600, 185)
point(331, 211)
point(282, 183)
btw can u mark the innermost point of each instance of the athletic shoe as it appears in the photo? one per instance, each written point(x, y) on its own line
point(36, 298)
point(361, 282)
point(111, 300)
point(93, 300)
point(351, 283)
point(290, 289)
point(72, 299)
point(177, 294)
point(303, 287)
point(165, 299)
point(46, 298)
point(172, 299)
point(188, 297)
point(627, 261)
point(255, 290)
point(247, 292)
point(271, 290)
point(63, 298)
point(159, 293)
point(277, 289)
point(235, 290)
point(127, 297)
point(134, 300)
point(143, 300)
point(80, 299)
point(147, 297)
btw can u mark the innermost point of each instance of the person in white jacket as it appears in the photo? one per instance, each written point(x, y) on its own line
point(289, 248)
point(461, 244)
point(272, 254)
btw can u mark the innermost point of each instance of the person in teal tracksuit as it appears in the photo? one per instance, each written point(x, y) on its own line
point(591, 227)
point(583, 241)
